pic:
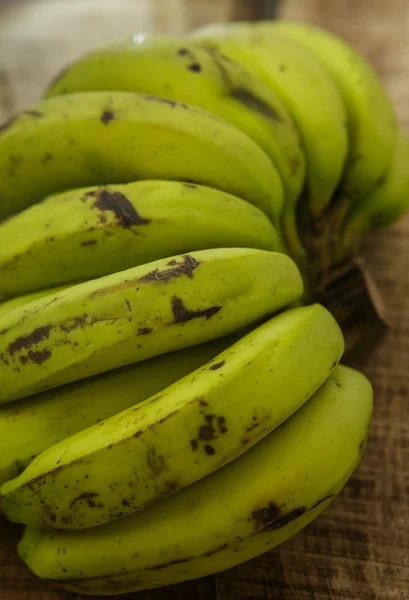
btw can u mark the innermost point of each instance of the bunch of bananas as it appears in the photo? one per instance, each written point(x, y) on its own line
point(169, 406)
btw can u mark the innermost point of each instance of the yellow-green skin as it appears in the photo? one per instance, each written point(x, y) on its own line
point(372, 122)
point(139, 313)
point(386, 203)
point(182, 434)
point(235, 514)
point(48, 418)
point(179, 69)
point(310, 96)
point(95, 138)
point(90, 232)
point(8, 306)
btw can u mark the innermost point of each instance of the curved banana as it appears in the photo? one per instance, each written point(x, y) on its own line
point(384, 205)
point(8, 306)
point(135, 314)
point(242, 510)
point(52, 416)
point(90, 232)
point(103, 137)
point(187, 431)
point(309, 94)
point(178, 69)
point(371, 117)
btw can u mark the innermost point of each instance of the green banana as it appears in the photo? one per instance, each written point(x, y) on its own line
point(135, 314)
point(303, 85)
point(382, 206)
point(9, 306)
point(240, 511)
point(371, 117)
point(178, 69)
point(89, 232)
point(103, 137)
point(53, 416)
point(187, 431)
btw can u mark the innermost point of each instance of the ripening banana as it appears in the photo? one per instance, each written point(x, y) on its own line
point(309, 94)
point(103, 137)
point(382, 206)
point(178, 69)
point(89, 232)
point(132, 315)
point(182, 434)
point(240, 511)
point(371, 117)
point(52, 416)
point(10, 305)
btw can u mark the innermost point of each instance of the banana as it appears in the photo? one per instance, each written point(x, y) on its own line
point(103, 137)
point(311, 97)
point(187, 431)
point(240, 511)
point(53, 416)
point(382, 206)
point(90, 232)
point(371, 117)
point(132, 315)
point(10, 305)
point(178, 69)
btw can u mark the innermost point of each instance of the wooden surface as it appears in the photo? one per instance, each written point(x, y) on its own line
point(359, 548)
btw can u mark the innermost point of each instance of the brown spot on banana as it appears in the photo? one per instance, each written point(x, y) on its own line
point(195, 67)
point(144, 330)
point(107, 116)
point(37, 358)
point(172, 103)
point(27, 341)
point(271, 517)
point(117, 203)
point(182, 315)
point(186, 267)
point(217, 366)
point(156, 462)
point(34, 113)
point(88, 497)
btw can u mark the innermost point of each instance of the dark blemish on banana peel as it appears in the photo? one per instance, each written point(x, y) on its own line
point(255, 103)
point(172, 103)
point(88, 243)
point(190, 185)
point(176, 561)
point(88, 497)
point(117, 203)
point(206, 433)
point(215, 551)
point(107, 116)
point(210, 450)
point(321, 501)
point(271, 518)
point(186, 267)
point(156, 463)
point(217, 366)
point(34, 113)
point(37, 358)
point(144, 330)
point(195, 67)
point(26, 342)
point(182, 315)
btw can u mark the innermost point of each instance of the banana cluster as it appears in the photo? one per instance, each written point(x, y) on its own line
point(168, 406)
